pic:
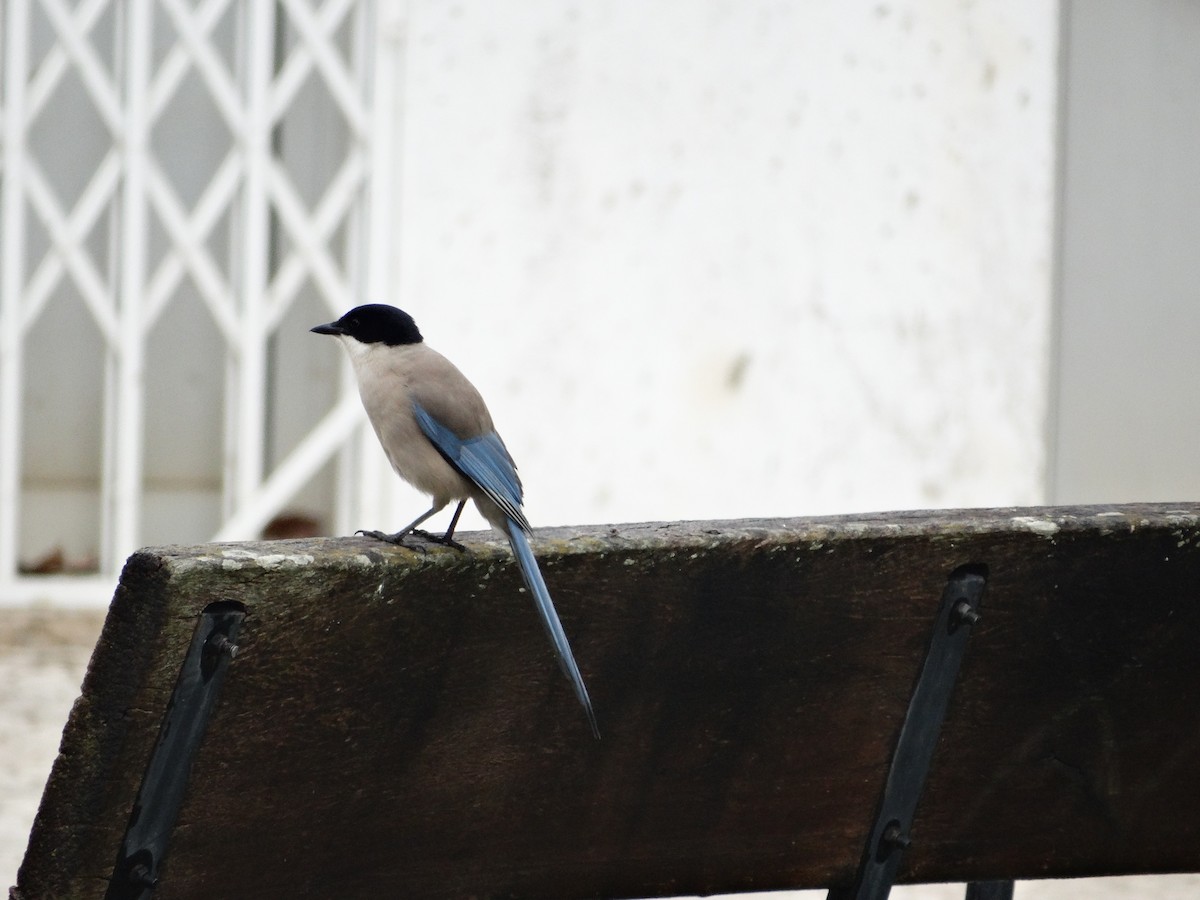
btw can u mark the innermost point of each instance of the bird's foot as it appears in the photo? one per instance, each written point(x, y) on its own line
point(444, 539)
point(398, 539)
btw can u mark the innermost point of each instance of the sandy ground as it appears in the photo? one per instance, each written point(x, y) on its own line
point(43, 655)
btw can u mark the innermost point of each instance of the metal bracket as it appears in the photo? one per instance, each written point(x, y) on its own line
point(160, 797)
point(889, 836)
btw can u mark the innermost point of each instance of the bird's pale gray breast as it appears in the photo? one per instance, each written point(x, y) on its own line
point(390, 379)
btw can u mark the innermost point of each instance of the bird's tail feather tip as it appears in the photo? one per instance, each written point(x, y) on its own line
point(536, 585)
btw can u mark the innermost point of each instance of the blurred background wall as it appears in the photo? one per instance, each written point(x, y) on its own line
point(1125, 400)
point(726, 260)
point(704, 259)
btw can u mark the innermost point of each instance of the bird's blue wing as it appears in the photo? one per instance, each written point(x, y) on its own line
point(483, 460)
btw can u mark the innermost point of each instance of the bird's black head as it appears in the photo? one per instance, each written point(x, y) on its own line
point(375, 323)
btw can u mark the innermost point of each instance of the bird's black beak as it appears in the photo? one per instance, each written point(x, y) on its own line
point(331, 328)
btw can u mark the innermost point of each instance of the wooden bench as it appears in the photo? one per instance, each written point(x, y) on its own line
point(393, 724)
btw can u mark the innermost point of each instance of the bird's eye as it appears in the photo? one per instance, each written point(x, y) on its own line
point(354, 324)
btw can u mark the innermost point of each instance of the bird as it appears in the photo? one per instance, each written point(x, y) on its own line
point(438, 435)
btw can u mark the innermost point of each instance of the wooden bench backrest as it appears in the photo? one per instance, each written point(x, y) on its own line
point(394, 724)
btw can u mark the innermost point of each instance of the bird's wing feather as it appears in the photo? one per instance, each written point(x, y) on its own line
point(484, 460)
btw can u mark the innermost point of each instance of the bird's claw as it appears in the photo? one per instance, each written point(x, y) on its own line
point(398, 539)
point(394, 539)
point(439, 539)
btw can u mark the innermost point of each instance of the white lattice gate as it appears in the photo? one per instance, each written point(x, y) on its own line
point(186, 187)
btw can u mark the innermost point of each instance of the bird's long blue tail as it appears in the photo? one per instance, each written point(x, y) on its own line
point(545, 607)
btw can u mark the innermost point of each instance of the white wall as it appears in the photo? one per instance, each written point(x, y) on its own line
point(711, 259)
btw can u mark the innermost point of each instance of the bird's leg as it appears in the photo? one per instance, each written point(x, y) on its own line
point(447, 539)
point(399, 536)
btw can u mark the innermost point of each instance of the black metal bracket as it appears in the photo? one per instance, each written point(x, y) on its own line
point(889, 836)
point(160, 797)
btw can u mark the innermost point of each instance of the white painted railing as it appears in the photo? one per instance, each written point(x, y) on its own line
point(278, 227)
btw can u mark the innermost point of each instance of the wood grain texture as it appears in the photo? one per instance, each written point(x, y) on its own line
point(395, 724)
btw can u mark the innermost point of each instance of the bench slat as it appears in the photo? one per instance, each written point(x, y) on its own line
point(395, 724)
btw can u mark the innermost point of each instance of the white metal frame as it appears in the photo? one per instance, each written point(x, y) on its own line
point(246, 297)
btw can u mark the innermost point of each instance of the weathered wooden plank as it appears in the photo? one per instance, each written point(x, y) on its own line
point(395, 724)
